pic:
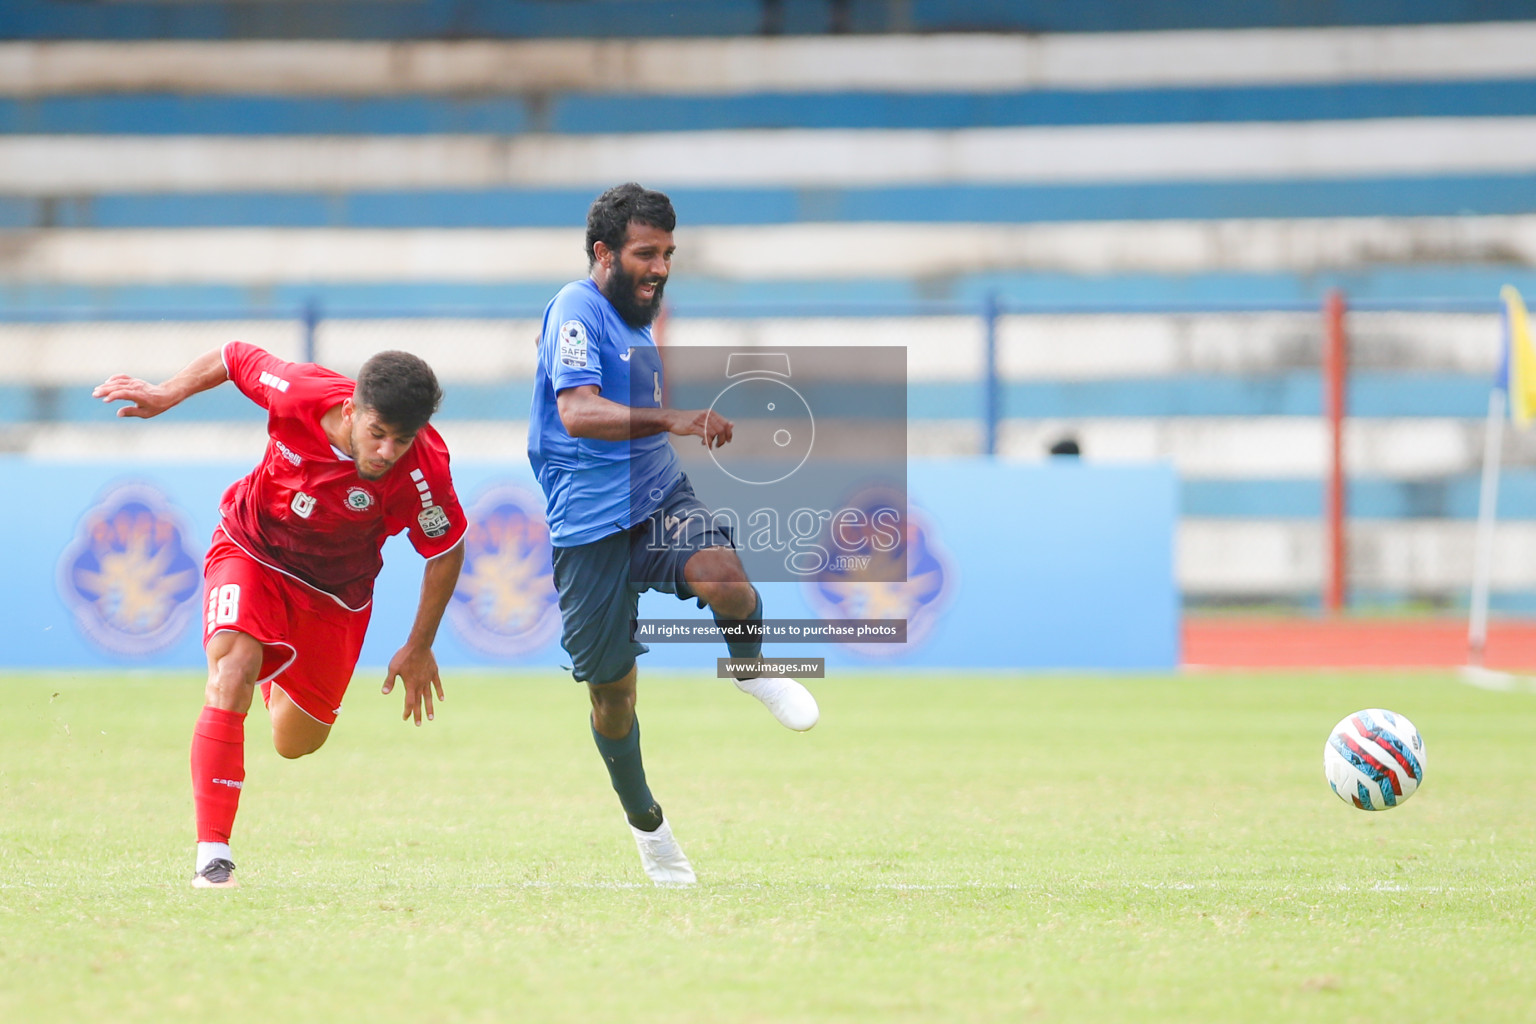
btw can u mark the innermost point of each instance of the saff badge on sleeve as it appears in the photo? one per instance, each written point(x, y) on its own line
point(433, 521)
point(573, 344)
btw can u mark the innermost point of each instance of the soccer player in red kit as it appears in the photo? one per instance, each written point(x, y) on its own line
point(288, 578)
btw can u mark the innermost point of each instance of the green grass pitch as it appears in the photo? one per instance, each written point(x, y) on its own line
point(940, 847)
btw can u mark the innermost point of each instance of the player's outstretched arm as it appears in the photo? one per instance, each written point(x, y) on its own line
point(415, 664)
point(586, 413)
point(204, 372)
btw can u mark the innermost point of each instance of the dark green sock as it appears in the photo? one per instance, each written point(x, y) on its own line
point(628, 774)
point(745, 648)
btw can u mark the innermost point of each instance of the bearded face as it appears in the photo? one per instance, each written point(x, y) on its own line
point(638, 275)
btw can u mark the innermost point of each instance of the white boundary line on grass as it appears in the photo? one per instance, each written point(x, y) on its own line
point(1496, 681)
point(1374, 887)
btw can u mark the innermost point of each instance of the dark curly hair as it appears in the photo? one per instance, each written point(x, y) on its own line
point(401, 388)
point(608, 219)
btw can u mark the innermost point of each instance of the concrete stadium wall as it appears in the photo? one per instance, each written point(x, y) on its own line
point(263, 257)
point(1155, 349)
point(954, 65)
point(796, 158)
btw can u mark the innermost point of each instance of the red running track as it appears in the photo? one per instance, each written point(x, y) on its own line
point(1241, 642)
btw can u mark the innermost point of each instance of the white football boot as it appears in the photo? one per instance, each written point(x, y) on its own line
point(662, 858)
point(790, 702)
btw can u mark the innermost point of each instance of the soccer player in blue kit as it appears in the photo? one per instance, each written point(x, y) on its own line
point(601, 452)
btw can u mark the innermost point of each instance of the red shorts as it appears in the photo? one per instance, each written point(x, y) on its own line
point(310, 642)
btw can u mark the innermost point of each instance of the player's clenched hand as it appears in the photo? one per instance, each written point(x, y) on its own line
point(148, 399)
point(417, 667)
point(710, 427)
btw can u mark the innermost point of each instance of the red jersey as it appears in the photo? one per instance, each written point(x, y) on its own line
point(304, 510)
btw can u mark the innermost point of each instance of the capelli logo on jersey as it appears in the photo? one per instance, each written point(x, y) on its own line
point(286, 452)
point(129, 576)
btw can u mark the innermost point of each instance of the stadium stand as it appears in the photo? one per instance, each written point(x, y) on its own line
point(1157, 215)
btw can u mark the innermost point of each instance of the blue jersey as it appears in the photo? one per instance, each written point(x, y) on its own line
point(595, 488)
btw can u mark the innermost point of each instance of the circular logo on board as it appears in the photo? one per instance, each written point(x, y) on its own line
point(128, 576)
point(505, 603)
point(848, 592)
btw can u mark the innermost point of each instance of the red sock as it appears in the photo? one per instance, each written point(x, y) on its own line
point(218, 772)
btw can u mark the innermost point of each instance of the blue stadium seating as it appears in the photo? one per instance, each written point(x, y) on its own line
point(348, 19)
point(1432, 196)
point(1493, 188)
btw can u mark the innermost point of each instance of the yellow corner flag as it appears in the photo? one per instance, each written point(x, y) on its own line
point(1519, 357)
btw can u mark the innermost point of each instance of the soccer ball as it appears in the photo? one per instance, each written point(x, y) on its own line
point(1374, 759)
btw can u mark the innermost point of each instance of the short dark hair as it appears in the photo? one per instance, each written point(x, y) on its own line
point(608, 219)
point(401, 388)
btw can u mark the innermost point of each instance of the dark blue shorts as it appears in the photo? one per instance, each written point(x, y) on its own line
point(600, 583)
